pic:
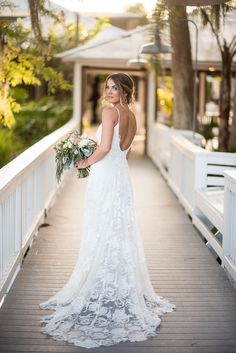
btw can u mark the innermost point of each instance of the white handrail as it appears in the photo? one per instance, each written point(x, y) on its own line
point(192, 168)
point(229, 239)
point(200, 179)
point(27, 189)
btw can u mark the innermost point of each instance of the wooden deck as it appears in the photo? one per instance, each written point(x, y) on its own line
point(182, 270)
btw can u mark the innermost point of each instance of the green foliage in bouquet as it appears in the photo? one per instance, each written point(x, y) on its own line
point(72, 149)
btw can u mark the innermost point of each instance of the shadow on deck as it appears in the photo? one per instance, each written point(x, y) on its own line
point(182, 270)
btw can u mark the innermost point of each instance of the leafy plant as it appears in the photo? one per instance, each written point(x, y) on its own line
point(33, 122)
point(10, 146)
point(22, 65)
point(38, 119)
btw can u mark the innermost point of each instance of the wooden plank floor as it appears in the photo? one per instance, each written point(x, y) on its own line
point(182, 269)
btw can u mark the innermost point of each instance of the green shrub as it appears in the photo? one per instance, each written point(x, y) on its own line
point(20, 94)
point(33, 122)
point(38, 119)
point(10, 146)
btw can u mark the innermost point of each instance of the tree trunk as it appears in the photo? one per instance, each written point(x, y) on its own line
point(182, 70)
point(225, 90)
point(232, 137)
point(41, 90)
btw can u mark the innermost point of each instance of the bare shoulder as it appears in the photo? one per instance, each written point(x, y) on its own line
point(109, 114)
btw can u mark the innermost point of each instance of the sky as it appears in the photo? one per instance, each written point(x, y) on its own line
point(103, 5)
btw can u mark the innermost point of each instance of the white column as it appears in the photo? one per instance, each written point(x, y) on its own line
point(142, 97)
point(150, 111)
point(77, 92)
point(202, 94)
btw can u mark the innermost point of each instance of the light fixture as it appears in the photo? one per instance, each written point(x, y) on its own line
point(137, 61)
point(155, 47)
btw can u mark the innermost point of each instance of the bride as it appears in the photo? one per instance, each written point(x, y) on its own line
point(109, 297)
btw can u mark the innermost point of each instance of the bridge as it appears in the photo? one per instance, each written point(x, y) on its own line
point(40, 237)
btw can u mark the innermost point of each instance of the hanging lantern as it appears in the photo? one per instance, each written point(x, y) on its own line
point(155, 47)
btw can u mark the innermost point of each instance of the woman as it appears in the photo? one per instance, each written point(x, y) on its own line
point(109, 297)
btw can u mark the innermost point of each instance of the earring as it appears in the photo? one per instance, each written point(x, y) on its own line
point(125, 101)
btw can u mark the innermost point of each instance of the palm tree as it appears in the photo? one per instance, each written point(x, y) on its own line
point(182, 70)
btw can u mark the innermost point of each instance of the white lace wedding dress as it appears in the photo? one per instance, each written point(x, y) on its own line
point(109, 297)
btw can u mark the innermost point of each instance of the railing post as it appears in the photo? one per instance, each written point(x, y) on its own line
point(77, 93)
point(229, 236)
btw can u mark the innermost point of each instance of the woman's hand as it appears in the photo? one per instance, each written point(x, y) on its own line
point(81, 164)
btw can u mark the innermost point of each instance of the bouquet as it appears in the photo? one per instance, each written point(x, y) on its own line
point(73, 148)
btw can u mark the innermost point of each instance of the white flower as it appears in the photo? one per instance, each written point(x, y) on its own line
point(83, 142)
point(67, 144)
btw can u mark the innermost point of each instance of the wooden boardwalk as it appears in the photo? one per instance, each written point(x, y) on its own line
point(182, 270)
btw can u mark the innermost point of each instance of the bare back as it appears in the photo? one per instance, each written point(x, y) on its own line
point(127, 127)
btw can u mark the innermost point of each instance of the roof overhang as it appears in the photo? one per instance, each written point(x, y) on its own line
point(125, 45)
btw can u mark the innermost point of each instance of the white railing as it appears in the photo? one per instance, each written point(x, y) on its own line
point(229, 239)
point(192, 168)
point(27, 190)
point(182, 173)
point(159, 143)
point(205, 185)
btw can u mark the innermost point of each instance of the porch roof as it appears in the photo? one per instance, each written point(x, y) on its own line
point(115, 46)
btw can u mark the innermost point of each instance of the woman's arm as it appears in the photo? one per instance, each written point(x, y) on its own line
point(108, 123)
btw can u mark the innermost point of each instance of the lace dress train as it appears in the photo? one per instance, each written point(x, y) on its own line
point(109, 297)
